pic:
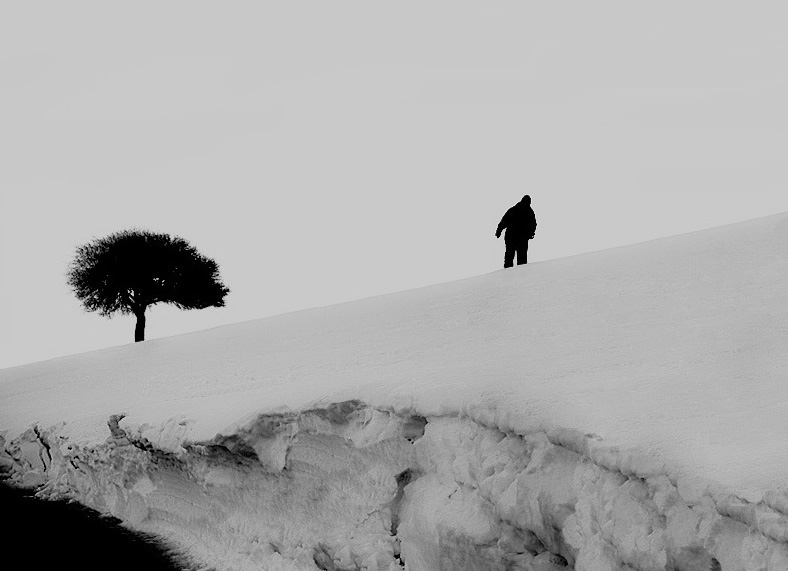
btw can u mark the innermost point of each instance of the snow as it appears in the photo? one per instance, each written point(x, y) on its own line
point(624, 409)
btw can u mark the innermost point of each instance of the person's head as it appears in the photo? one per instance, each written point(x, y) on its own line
point(526, 199)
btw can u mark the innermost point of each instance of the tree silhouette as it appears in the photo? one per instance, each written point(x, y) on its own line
point(128, 271)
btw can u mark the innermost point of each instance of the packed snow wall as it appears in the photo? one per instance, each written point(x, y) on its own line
point(348, 486)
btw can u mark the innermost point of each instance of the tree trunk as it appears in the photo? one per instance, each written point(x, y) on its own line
point(139, 330)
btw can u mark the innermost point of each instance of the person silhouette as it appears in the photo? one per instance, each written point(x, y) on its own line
point(520, 224)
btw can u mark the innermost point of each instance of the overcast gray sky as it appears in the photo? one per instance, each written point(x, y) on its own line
point(325, 152)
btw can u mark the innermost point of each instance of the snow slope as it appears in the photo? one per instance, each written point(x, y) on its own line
point(624, 409)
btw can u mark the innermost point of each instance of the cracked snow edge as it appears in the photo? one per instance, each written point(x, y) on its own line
point(558, 494)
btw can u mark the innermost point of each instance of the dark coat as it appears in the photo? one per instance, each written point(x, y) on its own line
point(519, 222)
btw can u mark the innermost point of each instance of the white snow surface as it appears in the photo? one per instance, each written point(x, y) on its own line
point(623, 409)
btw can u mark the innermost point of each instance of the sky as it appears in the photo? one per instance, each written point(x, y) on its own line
point(322, 153)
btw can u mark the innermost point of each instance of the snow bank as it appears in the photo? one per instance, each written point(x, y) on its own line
point(352, 487)
point(624, 409)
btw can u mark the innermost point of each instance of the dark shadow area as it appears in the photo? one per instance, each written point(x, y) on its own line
point(59, 534)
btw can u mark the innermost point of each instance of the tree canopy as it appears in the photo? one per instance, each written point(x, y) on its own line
point(128, 271)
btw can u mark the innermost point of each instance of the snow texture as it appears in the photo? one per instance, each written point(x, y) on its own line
point(624, 409)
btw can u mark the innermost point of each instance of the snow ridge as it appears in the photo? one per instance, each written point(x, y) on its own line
point(348, 486)
point(477, 446)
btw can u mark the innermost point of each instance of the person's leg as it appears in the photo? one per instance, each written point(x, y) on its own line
point(522, 253)
point(508, 257)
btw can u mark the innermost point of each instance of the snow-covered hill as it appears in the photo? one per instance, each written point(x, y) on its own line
point(624, 409)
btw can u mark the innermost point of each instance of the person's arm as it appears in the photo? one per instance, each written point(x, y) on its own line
point(501, 225)
point(533, 231)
